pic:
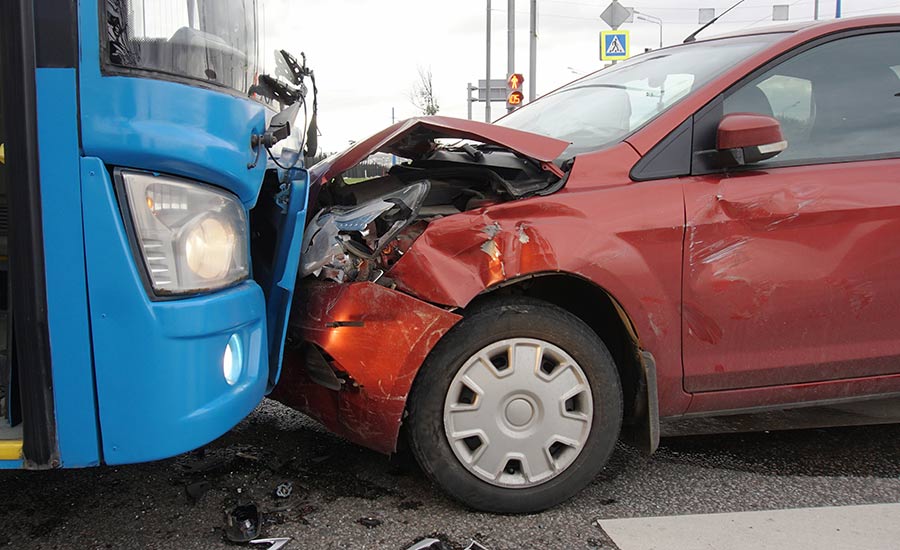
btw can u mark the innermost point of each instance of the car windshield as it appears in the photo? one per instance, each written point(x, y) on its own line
point(605, 107)
point(211, 41)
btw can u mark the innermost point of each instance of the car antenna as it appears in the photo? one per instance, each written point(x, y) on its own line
point(694, 34)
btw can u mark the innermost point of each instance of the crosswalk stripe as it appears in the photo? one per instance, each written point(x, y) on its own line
point(865, 527)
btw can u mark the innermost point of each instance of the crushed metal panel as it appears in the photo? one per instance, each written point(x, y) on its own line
point(411, 138)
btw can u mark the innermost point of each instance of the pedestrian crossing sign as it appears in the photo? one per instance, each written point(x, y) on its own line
point(614, 45)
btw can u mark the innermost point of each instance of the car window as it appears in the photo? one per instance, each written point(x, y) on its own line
point(836, 101)
point(792, 104)
point(603, 108)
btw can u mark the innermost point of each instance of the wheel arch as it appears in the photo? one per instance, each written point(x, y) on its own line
point(609, 320)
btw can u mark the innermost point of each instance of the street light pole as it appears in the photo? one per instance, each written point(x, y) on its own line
point(510, 43)
point(532, 51)
point(487, 70)
point(651, 19)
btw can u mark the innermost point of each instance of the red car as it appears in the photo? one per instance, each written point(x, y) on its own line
point(705, 229)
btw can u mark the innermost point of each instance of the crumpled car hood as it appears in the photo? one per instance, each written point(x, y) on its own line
point(415, 137)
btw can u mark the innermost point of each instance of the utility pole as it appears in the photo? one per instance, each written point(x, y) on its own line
point(487, 70)
point(816, 10)
point(837, 9)
point(393, 121)
point(510, 43)
point(532, 52)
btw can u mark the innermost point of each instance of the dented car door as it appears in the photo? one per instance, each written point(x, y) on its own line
point(788, 277)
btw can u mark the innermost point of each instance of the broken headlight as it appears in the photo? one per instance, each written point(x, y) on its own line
point(192, 237)
point(346, 239)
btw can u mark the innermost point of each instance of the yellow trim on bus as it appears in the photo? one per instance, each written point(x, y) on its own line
point(11, 450)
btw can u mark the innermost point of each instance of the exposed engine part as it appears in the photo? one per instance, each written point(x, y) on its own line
point(345, 243)
point(361, 230)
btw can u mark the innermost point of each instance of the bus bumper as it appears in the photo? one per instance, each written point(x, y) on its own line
point(160, 365)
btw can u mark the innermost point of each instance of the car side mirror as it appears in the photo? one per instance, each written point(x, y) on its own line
point(748, 138)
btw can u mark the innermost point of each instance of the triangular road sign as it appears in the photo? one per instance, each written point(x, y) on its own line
point(615, 47)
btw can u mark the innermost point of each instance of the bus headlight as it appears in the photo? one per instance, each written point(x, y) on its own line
point(193, 237)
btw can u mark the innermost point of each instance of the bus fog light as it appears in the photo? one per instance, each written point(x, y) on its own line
point(233, 360)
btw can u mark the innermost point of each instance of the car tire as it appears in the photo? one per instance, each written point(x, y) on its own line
point(466, 387)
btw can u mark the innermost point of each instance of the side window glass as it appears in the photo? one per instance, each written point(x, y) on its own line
point(839, 100)
point(792, 104)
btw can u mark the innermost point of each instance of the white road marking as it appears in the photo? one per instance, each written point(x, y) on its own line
point(868, 527)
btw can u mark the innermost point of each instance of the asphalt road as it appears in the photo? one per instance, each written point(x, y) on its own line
point(336, 484)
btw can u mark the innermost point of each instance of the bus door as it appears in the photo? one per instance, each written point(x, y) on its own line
point(27, 425)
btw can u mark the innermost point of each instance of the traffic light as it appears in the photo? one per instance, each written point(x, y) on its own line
point(514, 84)
point(515, 81)
point(515, 99)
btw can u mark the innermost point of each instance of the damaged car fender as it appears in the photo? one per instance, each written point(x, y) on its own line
point(631, 253)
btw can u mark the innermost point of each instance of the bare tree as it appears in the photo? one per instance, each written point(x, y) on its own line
point(422, 93)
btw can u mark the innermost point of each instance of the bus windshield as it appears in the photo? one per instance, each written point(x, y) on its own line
point(210, 41)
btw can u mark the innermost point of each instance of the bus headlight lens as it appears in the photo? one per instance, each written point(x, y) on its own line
point(193, 237)
point(208, 248)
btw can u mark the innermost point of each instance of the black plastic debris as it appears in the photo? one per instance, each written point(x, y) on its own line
point(369, 522)
point(243, 523)
point(195, 491)
point(284, 490)
point(608, 501)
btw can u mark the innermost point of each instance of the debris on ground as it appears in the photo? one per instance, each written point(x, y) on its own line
point(410, 505)
point(195, 491)
point(284, 490)
point(278, 508)
point(428, 544)
point(369, 522)
point(437, 544)
point(253, 457)
point(305, 511)
point(274, 543)
point(243, 523)
point(608, 501)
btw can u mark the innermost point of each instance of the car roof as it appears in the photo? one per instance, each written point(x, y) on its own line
point(819, 27)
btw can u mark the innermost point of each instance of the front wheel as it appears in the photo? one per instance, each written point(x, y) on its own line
point(517, 408)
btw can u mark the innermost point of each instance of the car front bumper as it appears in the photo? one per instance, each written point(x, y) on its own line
point(373, 339)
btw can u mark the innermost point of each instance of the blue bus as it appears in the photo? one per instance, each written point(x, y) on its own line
point(152, 211)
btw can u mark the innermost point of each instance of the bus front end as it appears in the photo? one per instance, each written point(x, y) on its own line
point(169, 245)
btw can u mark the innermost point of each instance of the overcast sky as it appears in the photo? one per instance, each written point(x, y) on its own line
point(366, 53)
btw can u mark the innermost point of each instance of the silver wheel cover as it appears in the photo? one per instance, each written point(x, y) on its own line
point(518, 412)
